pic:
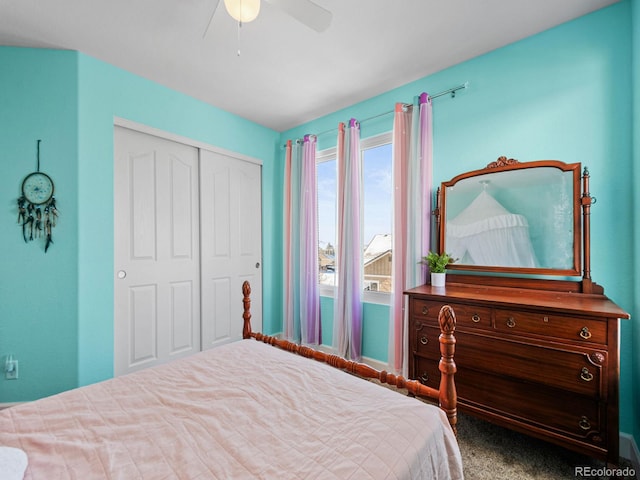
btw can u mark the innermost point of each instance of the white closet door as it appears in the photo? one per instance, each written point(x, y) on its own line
point(157, 265)
point(231, 245)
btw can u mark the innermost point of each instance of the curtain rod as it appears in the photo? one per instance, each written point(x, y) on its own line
point(451, 91)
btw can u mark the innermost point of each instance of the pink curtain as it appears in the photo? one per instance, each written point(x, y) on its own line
point(347, 330)
point(301, 296)
point(310, 327)
point(412, 178)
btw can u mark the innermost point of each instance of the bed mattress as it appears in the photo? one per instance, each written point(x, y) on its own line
point(243, 410)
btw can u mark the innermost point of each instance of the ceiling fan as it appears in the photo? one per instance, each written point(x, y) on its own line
point(305, 11)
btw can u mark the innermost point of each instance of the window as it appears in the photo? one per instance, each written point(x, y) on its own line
point(377, 198)
point(326, 174)
point(377, 205)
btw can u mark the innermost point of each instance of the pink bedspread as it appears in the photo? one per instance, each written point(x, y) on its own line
point(233, 413)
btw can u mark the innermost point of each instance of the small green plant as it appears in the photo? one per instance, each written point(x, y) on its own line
point(437, 263)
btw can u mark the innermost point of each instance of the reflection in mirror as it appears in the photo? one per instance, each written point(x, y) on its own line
point(515, 218)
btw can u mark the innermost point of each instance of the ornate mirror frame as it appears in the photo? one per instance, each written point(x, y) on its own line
point(501, 172)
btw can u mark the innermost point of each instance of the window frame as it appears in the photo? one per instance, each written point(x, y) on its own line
point(328, 154)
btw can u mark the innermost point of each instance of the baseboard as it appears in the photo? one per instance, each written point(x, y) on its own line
point(377, 364)
point(372, 362)
point(629, 450)
point(328, 349)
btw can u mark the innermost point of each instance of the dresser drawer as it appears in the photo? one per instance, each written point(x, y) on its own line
point(581, 371)
point(466, 315)
point(425, 340)
point(426, 371)
point(551, 326)
point(580, 417)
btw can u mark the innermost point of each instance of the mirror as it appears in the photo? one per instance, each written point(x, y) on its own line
point(513, 217)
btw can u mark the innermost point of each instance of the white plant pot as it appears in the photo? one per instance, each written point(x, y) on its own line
point(438, 279)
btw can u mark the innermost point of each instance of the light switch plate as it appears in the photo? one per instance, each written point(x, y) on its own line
point(11, 373)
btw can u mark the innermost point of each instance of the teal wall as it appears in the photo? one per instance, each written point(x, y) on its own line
point(56, 310)
point(562, 94)
point(635, 220)
point(375, 323)
point(38, 302)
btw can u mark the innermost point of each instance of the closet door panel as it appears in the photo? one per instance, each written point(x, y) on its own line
point(182, 318)
point(231, 229)
point(142, 227)
point(143, 325)
point(184, 224)
point(156, 216)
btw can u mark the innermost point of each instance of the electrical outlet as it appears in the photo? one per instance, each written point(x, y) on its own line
point(11, 370)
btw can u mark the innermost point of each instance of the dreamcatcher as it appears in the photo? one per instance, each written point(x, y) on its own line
point(37, 211)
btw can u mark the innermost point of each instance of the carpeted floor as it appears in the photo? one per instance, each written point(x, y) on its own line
point(490, 452)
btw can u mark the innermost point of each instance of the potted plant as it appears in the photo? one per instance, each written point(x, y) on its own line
point(437, 264)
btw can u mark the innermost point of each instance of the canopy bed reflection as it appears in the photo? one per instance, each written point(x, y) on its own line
point(486, 233)
point(244, 410)
point(537, 338)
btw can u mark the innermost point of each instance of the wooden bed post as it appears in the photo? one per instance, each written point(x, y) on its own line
point(246, 315)
point(448, 396)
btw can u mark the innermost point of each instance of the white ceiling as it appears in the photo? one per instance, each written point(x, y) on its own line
point(286, 74)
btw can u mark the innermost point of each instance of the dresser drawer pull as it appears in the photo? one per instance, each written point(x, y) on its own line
point(424, 340)
point(475, 318)
point(585, 333)
point(424, 378)
point(511, 322)
point(586, 375)
point(425, 310)
point(584, 423)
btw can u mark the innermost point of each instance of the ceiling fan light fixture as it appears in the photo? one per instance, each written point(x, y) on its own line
point(243, 10)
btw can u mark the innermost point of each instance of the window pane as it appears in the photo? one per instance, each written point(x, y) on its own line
point(327, 187)
point(378, 201)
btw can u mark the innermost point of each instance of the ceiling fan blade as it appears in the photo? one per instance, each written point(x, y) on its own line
point(306, 12)
point(215, 4)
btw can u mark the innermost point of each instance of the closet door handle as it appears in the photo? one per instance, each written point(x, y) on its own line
point(122, 274)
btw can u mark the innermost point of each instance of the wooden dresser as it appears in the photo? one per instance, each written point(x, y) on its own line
point(545, 363)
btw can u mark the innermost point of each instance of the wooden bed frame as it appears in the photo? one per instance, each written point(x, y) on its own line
point(445, 396)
